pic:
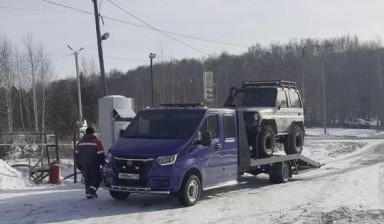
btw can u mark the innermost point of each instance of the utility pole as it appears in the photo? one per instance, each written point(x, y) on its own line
point(76, 53)
point(100, 49)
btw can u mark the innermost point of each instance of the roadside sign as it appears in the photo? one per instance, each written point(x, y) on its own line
point(208, 86)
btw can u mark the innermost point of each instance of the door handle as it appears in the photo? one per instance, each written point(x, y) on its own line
point(218, 146)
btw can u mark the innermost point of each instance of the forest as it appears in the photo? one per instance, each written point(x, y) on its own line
point(344, 70)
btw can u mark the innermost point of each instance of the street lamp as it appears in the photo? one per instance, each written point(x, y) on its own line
point(78, 81)
point(151, 57)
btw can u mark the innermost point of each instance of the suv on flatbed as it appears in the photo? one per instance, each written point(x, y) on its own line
point(273, 112)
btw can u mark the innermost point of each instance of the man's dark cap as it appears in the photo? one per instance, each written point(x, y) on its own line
point(89, 131)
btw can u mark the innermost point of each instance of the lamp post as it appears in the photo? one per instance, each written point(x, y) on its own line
point(151, 57)
point(78, 81)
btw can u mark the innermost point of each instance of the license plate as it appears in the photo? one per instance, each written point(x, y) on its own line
point(130, 176)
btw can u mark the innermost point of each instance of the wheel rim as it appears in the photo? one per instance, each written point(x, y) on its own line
point(193, 191)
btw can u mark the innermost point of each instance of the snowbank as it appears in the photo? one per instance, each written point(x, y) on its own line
point(11, 178)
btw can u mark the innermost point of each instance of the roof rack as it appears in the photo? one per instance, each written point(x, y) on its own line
point(277, 83)
point(183, 105)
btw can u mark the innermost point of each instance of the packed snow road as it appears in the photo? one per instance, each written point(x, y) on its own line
point(348, 188)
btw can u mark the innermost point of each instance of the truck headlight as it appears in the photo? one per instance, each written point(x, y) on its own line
point(166, 160)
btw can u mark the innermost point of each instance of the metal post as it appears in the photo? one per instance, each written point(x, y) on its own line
point(74, 159)
point(324, 96)
point(151, 57)
point(151, 84)
point(380, 113)
point(302, 73)
point(100, 49)
point(57, 147)
point(78, 87)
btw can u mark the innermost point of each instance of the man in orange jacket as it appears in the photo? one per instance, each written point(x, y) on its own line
point(89, 159)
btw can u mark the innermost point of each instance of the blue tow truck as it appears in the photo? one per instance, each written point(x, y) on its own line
point(183, 149)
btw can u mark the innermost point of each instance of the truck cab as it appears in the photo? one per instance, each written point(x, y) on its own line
point(174, 150)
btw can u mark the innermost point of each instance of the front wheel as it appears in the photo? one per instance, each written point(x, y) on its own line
point(119, 195)
point(266, 141)
point(190, 190)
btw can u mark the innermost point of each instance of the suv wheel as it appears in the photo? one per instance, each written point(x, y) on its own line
point(295, 141)
point(266, 141)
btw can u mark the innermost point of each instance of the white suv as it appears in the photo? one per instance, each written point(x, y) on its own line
point(272, 111)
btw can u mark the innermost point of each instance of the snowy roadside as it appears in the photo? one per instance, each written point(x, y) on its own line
point(348, 188)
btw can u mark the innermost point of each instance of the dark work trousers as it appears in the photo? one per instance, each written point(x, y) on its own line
point(92, 176)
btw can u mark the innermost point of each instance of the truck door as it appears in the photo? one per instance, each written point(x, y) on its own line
point(229, 151)
point(212, 154)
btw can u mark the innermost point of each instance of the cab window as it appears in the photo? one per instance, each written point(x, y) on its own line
point(211, 124)
point(229, 126)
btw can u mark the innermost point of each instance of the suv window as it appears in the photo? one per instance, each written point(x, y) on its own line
point(282, 99)
point(211, 124)
point(229, 126)
point(255, 97)
point(294, 98)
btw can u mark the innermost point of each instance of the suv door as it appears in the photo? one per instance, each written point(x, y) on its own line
point(282, 111)
point(296, 112)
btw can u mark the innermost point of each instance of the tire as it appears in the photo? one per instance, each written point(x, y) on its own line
point(295, 141)
point(190, 190)
point(119, 195)
point(266, 141)
point(280, 173)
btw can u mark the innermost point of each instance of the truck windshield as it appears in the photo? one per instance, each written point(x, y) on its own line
point(254, 97)
point(164, 124)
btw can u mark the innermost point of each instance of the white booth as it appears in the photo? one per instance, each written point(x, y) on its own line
point(115, 113)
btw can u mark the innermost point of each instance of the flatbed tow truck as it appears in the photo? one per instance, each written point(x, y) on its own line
point(183, 149)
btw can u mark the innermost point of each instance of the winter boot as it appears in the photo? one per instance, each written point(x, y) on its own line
point(92, 191)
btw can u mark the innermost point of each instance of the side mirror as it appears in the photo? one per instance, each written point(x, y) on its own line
point(206, 138)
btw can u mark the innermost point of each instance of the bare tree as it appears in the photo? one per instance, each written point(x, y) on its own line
point(31, 65)
point(6, 73)
point(45, 78)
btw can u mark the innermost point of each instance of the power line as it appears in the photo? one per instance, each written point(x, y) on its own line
point(137, 18)
point(32, 9)
point(117, 58)
point(68, 7)
point(149, 27)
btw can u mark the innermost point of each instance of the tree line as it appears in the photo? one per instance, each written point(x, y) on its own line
point(33, 99)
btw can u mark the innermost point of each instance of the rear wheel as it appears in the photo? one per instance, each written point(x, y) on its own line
point(295, 141)
point(266, 141)
point(119, 195)
point(190, 190)
point(280, 173)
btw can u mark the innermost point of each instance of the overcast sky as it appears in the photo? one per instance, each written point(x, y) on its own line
point(237, 22)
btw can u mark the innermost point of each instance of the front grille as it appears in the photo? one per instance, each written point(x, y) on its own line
point(132, 166)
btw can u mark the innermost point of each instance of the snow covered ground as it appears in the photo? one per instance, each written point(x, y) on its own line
point(348, 188)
